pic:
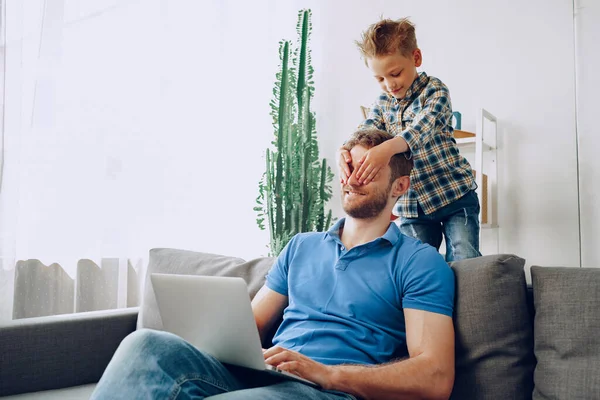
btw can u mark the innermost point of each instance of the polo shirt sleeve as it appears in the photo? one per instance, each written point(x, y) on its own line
point(428, 283)
point(277, 278)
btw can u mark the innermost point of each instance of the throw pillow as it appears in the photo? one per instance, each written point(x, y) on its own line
point(173, 261)
point(567, 332)
point(494, 332)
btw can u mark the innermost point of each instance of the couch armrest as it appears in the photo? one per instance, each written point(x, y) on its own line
point(61, 350)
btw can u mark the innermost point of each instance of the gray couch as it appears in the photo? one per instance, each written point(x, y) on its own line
point(512, 342)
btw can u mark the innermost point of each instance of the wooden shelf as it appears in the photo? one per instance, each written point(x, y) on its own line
point(464, 137)
point(458, 134)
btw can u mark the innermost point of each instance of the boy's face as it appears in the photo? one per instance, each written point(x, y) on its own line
point(395, 72)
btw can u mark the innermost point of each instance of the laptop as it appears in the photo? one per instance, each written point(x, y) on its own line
point(214, 315)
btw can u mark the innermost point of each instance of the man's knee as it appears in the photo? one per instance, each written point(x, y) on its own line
point(145, 336)
point(150, 341)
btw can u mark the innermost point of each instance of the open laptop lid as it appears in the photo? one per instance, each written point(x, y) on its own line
point(213, 314)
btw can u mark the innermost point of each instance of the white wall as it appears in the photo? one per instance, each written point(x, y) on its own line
point(159, 117)
point(587, 28)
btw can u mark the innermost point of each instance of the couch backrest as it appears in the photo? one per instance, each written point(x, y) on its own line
point(494, 329)
point(173, 261)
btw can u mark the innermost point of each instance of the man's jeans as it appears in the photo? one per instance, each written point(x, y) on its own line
point(158, 365)
point(458, 222)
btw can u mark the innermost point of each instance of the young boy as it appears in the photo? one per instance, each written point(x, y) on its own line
point(416, 109)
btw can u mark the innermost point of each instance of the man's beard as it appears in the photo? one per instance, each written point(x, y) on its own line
point(371, 208)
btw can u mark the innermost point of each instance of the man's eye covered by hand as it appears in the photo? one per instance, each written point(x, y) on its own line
point(373, 161)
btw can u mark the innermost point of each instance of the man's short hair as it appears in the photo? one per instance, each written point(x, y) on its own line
point(388, 37)
point(401, 164)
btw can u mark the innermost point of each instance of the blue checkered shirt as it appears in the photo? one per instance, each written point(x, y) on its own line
point(423, 118)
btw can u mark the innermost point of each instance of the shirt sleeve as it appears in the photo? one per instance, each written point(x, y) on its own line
point(428, 283)
point(437, 110)
point(375, 118)
point(277, 278)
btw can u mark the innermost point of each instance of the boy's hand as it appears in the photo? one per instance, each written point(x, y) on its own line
point(344, 160)
point(372, 162)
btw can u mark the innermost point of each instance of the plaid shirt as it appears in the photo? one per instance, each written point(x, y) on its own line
point(440, 174)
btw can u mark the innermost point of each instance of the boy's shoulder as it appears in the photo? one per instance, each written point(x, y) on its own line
point(427, 86)
point(436, 87)
point(436, 83)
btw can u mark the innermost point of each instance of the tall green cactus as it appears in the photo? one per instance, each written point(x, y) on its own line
point(296, 184)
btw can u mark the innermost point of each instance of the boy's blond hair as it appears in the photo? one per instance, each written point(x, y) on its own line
point(387, 37)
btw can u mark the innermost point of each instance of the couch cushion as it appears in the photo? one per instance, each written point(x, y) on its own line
point(83, 392)
point(567, 332)
point(494, 332)
point(172, 261)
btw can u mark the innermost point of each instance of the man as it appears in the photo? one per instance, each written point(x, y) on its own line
point(367, 313)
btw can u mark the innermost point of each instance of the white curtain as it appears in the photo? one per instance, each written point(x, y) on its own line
point(131, 125)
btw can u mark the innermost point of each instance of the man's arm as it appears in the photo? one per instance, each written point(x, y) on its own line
point(267, 306)
point(427, 374)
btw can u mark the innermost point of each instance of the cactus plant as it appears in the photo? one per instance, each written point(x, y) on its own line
point(296, 185)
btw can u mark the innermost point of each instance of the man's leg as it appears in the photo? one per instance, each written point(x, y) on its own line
point(461, 228)
point(286, 390)
point(158, 365)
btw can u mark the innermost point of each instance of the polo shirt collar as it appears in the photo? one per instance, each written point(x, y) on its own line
point(392, 235)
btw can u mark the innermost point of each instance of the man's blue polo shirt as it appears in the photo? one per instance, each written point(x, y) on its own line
point(346, 306)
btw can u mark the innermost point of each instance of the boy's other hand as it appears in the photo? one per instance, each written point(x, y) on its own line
point(372, 162)
point(344, 161)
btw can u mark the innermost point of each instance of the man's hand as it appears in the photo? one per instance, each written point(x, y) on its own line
point(344, 161)
point(372, 162)
point(298, 364)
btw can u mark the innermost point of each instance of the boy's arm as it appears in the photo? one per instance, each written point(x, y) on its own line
point(378, 157)
point(395, 146)
point(437, 107)
point(421, 130)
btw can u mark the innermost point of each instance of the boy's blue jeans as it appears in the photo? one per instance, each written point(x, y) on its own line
point(458, 222)
point(158, 365)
